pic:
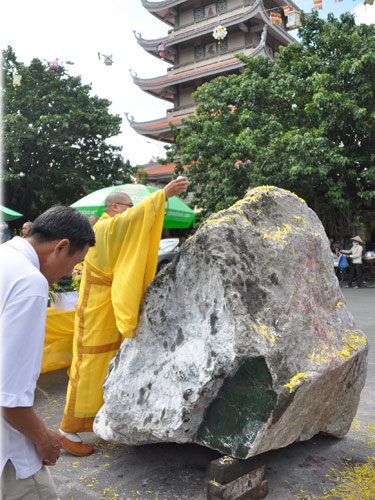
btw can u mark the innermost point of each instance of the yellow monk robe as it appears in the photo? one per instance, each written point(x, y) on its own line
point(58, 339)
point(116, 273)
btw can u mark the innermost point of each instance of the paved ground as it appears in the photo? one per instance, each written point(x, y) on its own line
point(170, 471)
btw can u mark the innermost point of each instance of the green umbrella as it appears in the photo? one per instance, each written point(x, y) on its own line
point(177, 213)
point(7, 214)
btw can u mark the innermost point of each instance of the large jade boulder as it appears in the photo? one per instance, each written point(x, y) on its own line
point(244, 342)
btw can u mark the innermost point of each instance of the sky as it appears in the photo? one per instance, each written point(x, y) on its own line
point(76, 30)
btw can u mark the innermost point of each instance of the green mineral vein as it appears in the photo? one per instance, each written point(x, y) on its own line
point(242, 406)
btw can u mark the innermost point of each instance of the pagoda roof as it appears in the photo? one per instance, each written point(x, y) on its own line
point(157, 172)
point(160, 86)
point(152, 46)
point(163, 10)
point(158, 129)
point(256, 11)
point(164, 86)
point(156, 168)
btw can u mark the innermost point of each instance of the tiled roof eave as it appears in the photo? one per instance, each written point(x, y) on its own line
point(256, 8)
point(162, 5)
point(275, 28)
point(167, 4)
point(167, 81)
point(162, 126)
point(150, 44)
point(159, 169)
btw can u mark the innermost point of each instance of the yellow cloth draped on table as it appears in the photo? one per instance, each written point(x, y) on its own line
point(116, 273)
point(58, 340)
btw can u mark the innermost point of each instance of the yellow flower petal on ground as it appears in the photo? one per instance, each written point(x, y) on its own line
point(294, 381)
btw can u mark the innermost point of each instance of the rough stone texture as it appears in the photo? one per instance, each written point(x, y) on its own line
point(244, 342)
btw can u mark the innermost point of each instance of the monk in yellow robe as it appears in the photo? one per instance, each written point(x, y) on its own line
point(116, 274)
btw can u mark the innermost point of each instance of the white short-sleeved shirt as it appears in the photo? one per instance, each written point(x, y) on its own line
point(23, 306)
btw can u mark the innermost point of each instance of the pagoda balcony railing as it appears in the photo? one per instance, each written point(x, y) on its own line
point(183, 73)
point(216, 19)
point(206, 62)
point(180, 112)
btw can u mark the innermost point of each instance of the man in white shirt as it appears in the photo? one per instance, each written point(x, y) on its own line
point(57, 241)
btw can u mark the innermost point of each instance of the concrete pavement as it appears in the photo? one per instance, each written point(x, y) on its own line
point(171, 471)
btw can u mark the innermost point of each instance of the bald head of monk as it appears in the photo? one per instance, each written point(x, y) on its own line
point(117, 203)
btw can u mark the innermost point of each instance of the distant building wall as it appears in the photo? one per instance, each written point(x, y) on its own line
point(236, 41)
point(186, 54)
point(186, 18)
point(186, 98)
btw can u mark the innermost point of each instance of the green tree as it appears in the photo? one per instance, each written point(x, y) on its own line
point(306, 121)
point(54, 138)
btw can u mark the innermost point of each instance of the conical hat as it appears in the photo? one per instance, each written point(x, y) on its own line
point(357, 238)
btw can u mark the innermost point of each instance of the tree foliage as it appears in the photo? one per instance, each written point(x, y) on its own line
point(306, 121)
point(54, 137)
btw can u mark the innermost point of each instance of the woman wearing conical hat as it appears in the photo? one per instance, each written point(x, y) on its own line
point(356, 267)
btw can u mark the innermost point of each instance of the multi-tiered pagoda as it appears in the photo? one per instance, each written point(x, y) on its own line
point(253, 27)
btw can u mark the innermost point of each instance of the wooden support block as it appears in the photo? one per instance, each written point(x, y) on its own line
point(257, 493)
point(226, 469)
point(247, 486)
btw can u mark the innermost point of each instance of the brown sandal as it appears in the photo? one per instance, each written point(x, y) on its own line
point(77, 448)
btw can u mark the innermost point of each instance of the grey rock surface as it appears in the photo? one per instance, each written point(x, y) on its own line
point(244, 342)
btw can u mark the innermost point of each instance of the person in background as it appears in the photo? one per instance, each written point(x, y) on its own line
point(336, 249)
point(57, 241)
point(93, 219)
point(356, 266)
point(26, 228)
point(331, 240)
point(115, 276)
point(5, 234)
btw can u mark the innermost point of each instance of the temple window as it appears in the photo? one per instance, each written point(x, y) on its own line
point(199, 14)
point(200, 53)
point(221, 6)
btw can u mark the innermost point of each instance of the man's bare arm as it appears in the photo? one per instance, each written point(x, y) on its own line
point(26, 421)
point(175, 187)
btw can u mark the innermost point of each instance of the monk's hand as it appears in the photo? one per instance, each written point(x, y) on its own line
point(175, 187)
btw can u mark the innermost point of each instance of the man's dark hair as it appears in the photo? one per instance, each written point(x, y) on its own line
point(60, 222)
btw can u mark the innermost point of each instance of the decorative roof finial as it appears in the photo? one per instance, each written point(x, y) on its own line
point(129, 117)
point(133, 74)
point(138, 36)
